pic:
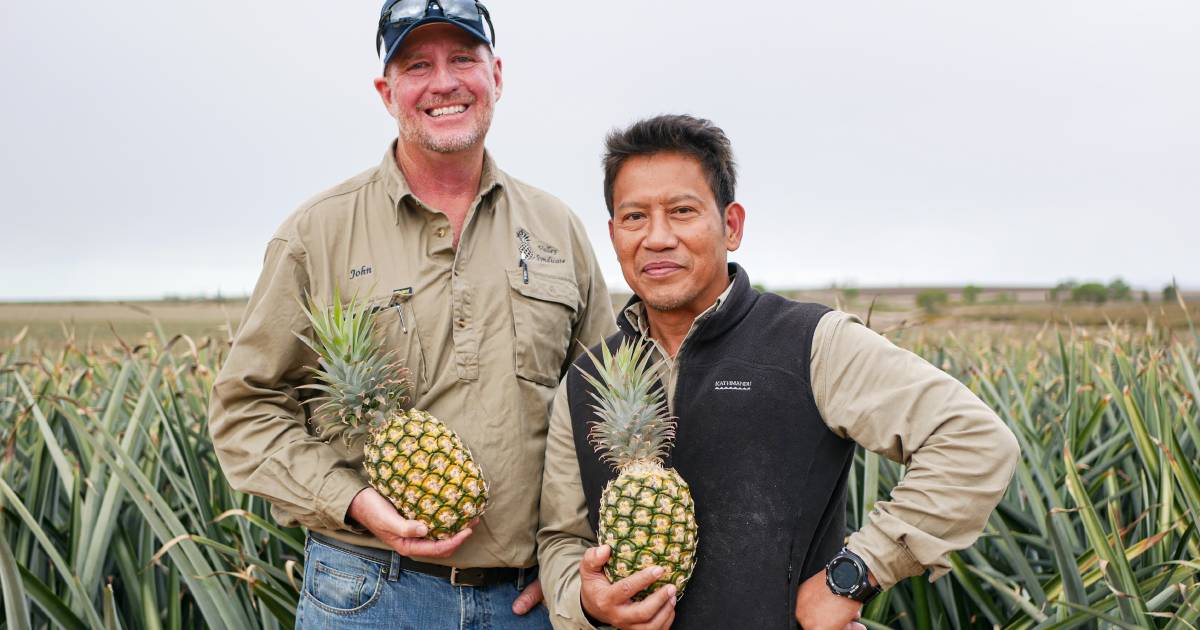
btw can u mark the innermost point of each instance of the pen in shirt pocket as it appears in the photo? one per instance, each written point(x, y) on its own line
point(399, 298)
point(524, 262)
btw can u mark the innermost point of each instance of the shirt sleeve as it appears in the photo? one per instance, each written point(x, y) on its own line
point(959, 455)
point(256, 420)
point(563, 531)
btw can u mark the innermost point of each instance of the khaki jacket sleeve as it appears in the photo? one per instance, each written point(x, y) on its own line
point(563, 531)
point(256, 420)
point(959, 454)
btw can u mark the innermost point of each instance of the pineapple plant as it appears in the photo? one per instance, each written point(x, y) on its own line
point(646, 513)
point(410, 457)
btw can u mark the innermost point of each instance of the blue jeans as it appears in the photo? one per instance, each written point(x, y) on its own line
point(346, 590)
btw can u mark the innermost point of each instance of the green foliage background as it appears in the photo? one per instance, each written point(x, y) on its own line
point(114, 512)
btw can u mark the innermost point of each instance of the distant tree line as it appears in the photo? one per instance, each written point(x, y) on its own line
point(1091, 292)
point(1094, 292)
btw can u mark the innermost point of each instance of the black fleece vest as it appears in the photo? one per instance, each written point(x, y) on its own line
point(768, 477)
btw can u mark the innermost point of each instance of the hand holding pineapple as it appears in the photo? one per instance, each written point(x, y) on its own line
point(613, 603)
point(407, 537)
point(417, 465)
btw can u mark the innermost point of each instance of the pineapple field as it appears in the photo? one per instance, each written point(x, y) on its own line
point(114, 512)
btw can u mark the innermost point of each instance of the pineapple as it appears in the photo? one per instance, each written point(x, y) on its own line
point(646, 513)
point(410, 457)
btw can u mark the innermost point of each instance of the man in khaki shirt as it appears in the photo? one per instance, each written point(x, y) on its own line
point(771, 397)
point(488, 289)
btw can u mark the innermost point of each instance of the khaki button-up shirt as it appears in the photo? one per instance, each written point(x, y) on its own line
point(486, 332)
point(960, 457)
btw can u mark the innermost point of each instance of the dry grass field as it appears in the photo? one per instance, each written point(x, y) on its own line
point(97, 324)
point(51, 325)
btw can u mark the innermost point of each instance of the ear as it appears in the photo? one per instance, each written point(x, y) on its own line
point(735, 223)
point(611, 236)
point(498, 75)
point(385, 94)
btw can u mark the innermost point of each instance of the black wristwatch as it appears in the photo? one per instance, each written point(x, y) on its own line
point(846, 575)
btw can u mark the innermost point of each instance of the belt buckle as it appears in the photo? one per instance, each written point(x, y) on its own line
point(472, 579)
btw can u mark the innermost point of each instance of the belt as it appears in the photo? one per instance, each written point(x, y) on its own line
point(485, 576)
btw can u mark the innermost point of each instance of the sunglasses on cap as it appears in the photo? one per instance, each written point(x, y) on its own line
point(403, 15)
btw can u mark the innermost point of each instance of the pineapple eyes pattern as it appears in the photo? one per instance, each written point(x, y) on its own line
point(433, 484)
point(446, 517)
point(647, 518)
point(435, 480)
point(450, 494)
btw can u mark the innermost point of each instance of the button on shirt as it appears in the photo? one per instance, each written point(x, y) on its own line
point(486, 332)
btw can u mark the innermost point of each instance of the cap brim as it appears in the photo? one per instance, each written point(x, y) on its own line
point(425, 22)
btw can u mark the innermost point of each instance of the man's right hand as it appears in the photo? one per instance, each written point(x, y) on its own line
point(611, 603)
point(379, 516)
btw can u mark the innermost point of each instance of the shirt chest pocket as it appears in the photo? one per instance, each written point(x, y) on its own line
point(544, 310)
point(396, 329)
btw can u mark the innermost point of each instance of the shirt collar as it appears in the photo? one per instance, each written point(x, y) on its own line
point(397, 186)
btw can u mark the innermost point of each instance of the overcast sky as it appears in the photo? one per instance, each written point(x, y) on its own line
point(151, 147)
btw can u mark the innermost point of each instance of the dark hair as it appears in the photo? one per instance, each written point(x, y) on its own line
point(694, 137)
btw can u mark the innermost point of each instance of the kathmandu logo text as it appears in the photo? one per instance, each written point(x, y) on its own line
point(737, 386)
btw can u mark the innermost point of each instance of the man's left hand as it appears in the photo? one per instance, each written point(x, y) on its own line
point(818, 608)
point(528, 599)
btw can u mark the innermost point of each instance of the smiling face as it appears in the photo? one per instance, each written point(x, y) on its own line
point(669, 233)
point(442, 87)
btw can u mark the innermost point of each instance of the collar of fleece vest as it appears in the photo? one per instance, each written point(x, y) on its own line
point(732, 311)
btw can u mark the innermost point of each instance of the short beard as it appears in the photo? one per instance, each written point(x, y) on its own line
point(453, 144)
point(667, 305)
point(417, 135)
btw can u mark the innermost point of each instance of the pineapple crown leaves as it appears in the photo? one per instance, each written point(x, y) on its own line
point(359, 384)
point(633, 423)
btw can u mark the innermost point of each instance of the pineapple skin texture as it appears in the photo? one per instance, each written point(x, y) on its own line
point(424, 469)
point(648, 518)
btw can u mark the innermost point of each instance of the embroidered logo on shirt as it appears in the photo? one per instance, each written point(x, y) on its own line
point(737, 386)
point(535, 249)
point(360, 272)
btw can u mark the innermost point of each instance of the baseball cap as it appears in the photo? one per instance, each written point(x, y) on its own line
point(398, 18)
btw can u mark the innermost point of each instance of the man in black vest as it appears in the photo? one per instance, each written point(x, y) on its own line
point(767, 460)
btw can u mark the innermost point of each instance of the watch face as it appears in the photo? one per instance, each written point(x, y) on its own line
point(844, 574)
